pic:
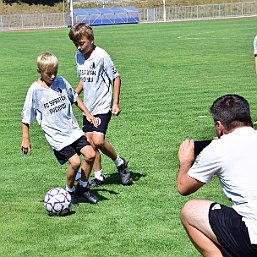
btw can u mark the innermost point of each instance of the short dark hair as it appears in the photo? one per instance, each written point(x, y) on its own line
point(79, 30)
point(232, 111)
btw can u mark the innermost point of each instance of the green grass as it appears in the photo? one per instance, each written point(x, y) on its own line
point(171, 73)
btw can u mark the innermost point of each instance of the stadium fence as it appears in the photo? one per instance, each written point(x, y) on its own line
point(172, 13)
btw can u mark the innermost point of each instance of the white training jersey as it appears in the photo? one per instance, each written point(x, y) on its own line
point(255, 45)
point(52, 109)
point(233, 158)
point(97, 74)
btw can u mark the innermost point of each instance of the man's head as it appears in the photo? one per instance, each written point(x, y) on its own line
point(229, 112)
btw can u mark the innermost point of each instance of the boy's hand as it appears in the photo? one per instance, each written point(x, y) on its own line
point(26, 146)
point(92, 120)
point(115, 109)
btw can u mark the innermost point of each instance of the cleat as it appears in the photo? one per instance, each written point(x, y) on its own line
point(97, 182)
point(74, 199)
point(124, 173)
point(86, 194)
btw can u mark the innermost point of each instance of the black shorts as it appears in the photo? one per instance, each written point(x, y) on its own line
point(68, 151)
point(231, 232)
point(103, 122)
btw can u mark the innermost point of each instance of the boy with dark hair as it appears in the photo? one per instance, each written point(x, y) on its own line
point(97, 77)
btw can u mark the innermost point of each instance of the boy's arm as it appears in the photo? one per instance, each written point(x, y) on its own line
point(84, 109)
point(79, 88)
point(25, 144)
point(116, 96)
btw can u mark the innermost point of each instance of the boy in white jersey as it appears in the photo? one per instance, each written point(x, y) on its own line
point(97, 77)
point(49, 100)
point(215, 229)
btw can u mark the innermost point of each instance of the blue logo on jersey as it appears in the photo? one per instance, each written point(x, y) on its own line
point(92, 66)
point(58, 90)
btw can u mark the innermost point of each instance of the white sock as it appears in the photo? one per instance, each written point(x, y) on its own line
point(83, 183)
point(70, 189)
point(118, 161)
point(99, 175)
point(78, 176)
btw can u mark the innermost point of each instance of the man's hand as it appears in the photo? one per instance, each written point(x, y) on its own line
point(186, 151)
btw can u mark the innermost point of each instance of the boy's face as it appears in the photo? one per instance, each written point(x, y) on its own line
point(84, 45)
point(48, 75)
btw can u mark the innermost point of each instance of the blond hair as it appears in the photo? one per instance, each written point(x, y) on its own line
point(46, 60)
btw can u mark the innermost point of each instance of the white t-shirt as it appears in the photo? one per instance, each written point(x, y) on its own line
point(255, 45)
point(97, 74)
point(52, 109)
point(233, 158)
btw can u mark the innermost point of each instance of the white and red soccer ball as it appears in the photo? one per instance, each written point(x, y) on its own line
point(57, 202)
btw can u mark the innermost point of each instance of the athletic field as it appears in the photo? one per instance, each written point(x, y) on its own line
point(171, 73)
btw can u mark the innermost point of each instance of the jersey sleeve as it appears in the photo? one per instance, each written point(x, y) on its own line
point(207, 164)
point(110, 67)
point(28, 112)
point(72, 95)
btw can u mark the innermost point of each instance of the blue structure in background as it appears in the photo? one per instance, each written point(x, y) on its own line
point(107, 16)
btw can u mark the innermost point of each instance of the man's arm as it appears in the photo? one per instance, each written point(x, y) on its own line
point(185, 184)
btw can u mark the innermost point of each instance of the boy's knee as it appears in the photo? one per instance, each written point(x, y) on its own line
point(98, 143)
point(89, 154)
point(75, 163)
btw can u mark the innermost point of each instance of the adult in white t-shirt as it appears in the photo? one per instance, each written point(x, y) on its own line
point(216, 229)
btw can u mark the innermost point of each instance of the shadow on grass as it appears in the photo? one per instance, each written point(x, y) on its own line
point(114, 178)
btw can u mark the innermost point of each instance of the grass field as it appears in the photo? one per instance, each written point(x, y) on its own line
point(171, 73)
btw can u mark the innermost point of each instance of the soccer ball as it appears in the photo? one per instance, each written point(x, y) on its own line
point(57, 202)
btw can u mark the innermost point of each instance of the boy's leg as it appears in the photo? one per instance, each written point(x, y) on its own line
point(82, 189)
point(195, 219)
point(97, 166)
point(72, 170)
point(106, 148)
point(70, 177)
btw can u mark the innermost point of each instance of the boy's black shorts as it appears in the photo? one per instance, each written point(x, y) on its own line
point(231, 231)
point(68, 151)
point(103, 122)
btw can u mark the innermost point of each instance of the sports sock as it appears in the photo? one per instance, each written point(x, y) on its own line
point(78, 176)
point(118, 161)
point(70, 189)
point(83, 183)
point(99, 175)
